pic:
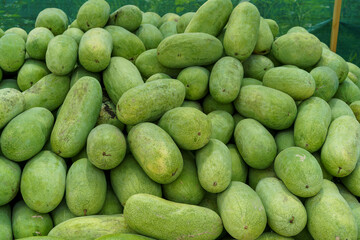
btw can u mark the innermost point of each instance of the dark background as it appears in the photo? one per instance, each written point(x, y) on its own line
point(314, 15)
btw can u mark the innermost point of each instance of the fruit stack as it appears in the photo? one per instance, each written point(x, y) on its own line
point(130, 126)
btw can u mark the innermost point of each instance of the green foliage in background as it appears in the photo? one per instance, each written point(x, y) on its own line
point(314, 15)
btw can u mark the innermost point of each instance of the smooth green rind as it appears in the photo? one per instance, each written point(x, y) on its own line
point(19, 31)
point(77, 117)
point(285, 213)
point(354, 69)
point(298, 48)
point(196, 82)
point(250, 81)
point(274, 27)
point(355, 107)
point(158, 76)
point(10, 173)
point(193, 104)
point(120, 76)
point(256, 66)
point(184, 21)
point(186, 188)
point(237, 118)
point(297, 29)
point(329, 215)
point(222, 125)
point(225, 79)
point(9, 83)
point(124, 236)
point(41, 238)
point(210, 105)
point(5, 222)
point(37, 42)
point(242, 211)
point(74, 24)
point(300, 171)
point(30, 73)
point(348, 92)
point(273, 236)
point(353, 78)
point(214, 166)
point(255, 175)
point(148, 65)
point(242, 31)
point(95, 49)
point(155, 152)
point(168, 29)
point(150, 35)
point(255, 144)
point(85, 188)
point(61, 55)
point(148, 102)
point(239, 169)
point(129, 179)
point(111, 205)
point(26, 134)
point(90, 227)
point(265, 38)
point(326, 81)
point(271, 107)
point(12, 103)
point(27, 222)
point(297, 83)
point(211, 17)
point(80, 72)
point(335, 62)
point(189, 49)
point(128, 17)
point(284, 139)
point(326, 175)
point(341, 149)
point(169, 17)
point(151, 18)
point(106, 146)
point(303, 235)
point(313, 113)
point(163, 222)
point(339, 108)
point(48, 93)
point(61, 213)
point(53, 19)
point(43, 182)
point(189, 127)
point(353, 204)
point(108, 115)
point(12, 52)
point(351, 182)
point(126, 44)
point(75, 33)
point(93, 14)
point(209, 201)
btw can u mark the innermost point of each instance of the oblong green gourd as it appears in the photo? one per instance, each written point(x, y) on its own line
point(85, 188)
point(286, 214)
point(43, 182)
point(155, 152)
point(77, 117)
point(26, 134)
point(300, 171)
point(196, 222)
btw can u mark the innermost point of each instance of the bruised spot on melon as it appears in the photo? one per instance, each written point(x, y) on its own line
point(173, 174)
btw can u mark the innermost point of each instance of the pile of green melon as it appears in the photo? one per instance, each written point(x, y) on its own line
point(132, 126)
